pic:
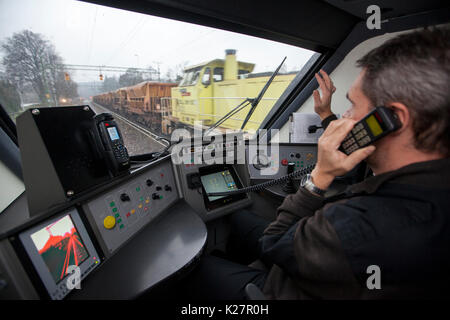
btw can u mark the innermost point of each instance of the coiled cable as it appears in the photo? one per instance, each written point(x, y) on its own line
point(264, 185)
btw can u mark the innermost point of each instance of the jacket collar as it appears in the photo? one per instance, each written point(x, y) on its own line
point(434, 173)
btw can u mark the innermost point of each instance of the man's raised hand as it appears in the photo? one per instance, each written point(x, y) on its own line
point(322, 105)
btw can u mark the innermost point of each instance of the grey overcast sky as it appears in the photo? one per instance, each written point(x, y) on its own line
point(83, 33)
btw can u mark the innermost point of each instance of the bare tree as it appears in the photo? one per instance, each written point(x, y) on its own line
point(130, 78)
point(110, 84)
point(30, 59)
point(9, 96)
point(178, 70)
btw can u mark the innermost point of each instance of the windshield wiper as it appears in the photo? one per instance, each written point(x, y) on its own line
point(253, 102)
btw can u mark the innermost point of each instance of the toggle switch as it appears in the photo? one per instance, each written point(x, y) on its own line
point(124, 197)
point(156, 196)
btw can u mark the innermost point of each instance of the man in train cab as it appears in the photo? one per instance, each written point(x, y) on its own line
point(387, 236)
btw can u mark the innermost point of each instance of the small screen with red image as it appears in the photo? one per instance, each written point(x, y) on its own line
point(60, 246)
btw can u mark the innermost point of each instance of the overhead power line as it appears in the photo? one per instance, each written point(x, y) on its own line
point(86, 67)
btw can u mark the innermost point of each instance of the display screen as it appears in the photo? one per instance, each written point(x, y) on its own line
point(374, 125)
point(113, 134)
point(218, 182)
point(60, 245)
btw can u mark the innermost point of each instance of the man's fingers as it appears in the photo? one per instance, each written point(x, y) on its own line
point(337, 131)
point(327, 79)
point(359, 155)
point(316, 96)
point(322, 83)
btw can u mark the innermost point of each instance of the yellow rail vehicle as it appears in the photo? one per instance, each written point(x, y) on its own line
point(210, 90)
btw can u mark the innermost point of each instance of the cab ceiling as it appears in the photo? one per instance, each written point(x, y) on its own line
point(312, 24)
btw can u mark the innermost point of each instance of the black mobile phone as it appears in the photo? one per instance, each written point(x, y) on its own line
point(375, 125)
point(116, 154)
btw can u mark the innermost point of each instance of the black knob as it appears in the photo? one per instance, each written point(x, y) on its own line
point(289, 185)
point(167, 187)
point(158, 188)
point(124, 197)
point(149, 182)
point(291, 167)
point(155, 196)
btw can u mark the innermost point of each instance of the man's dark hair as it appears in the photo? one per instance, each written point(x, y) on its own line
point(414, 69)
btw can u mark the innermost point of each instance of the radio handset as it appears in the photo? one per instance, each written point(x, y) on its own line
point(111, 144)
point(375, 125)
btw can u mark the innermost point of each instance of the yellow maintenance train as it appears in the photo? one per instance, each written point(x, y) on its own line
point(207, 92)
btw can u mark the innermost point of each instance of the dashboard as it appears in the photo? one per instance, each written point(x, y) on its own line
point(138, 229)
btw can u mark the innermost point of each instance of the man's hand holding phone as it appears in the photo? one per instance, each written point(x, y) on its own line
point(331, 162)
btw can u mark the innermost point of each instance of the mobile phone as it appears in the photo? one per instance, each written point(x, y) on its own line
point(116, 154)
point(375, 125)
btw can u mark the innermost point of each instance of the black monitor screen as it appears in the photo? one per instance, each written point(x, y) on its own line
point(219, 178)
point(218, 182)
point(60, 245)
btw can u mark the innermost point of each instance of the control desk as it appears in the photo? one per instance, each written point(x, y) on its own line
point(130, 234)
point(137, 230)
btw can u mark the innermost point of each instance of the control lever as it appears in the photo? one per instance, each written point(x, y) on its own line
point(289, 185)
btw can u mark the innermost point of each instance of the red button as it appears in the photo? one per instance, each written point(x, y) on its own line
point(128, 214)
point(284, 162)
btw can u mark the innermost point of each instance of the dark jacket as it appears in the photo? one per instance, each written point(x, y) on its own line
point(398, 221)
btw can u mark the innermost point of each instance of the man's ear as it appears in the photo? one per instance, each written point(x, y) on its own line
point(403, 114)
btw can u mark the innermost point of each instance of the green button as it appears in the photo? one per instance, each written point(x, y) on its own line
point(117, 215)
point(138, 189)
point(121, 226)
point(160, 197)
point(114, 209)
point(119, 220)
point(112, 204)
point(141, 198)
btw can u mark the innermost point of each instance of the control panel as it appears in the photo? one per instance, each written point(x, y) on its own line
point(120, 213)
point(215, 165)
point(264, 165)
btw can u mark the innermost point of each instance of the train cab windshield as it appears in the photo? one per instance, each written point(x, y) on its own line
point(98, 53)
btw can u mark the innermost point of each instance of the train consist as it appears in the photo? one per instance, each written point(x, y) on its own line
point(207, 92)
